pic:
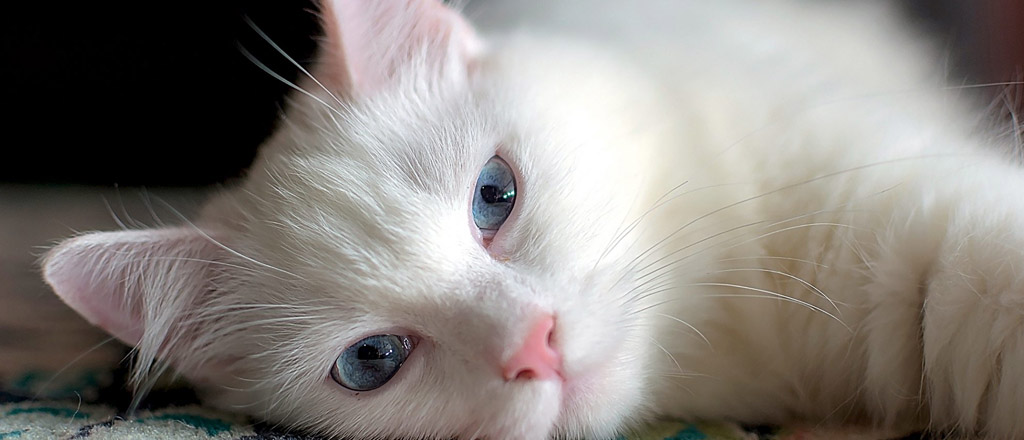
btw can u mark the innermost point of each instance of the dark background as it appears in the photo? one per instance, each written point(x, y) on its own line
point(158, 93)
point(143, 92)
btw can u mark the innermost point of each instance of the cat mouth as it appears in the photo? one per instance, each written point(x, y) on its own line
point(573, 398)
point(596, 392)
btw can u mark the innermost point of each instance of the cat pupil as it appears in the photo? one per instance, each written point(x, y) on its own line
point(369, 353)
point(492, 194)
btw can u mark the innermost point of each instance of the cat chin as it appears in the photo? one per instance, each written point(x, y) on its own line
point(599, 405)
point(596, 404)
point(532, 413)
point(585, 407)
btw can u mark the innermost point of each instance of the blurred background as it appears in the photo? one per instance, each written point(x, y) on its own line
point(158, 93)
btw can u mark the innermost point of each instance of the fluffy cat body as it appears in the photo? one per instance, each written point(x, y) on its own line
point(767, 212)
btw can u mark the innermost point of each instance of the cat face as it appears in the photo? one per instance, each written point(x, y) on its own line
point(432, 245)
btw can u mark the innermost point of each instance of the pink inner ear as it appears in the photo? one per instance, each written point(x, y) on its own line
point(99, 274)
point(109, 312)
point(368, 41)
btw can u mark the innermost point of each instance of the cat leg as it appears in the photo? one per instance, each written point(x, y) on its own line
point(929, 278)
point(972, 318)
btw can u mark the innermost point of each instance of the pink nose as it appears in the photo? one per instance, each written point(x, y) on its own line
point(536, 358)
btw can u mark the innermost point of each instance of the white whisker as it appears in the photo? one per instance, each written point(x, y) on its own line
point(792, 277)
point(629, 228)
point(688, 325)
point(222, 246)
point(669, 354)
point(768, 294)
point(284, 80)
point(281, 51)
point(769, 257)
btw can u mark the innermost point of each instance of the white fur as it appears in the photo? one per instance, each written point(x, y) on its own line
point(767, 212)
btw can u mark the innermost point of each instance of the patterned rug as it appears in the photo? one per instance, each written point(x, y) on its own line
point(90, 404)
point(60, 378)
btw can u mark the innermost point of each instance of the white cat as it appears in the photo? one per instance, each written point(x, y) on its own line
point(766, 212)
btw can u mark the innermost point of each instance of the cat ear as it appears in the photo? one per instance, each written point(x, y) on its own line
point(121, 281)
point(369, 41)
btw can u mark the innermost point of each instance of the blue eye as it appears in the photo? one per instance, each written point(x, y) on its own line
point(494, 197)
point(372, 362)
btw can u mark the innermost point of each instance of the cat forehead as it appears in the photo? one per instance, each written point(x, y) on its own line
point(369, 187)
point(404, 137)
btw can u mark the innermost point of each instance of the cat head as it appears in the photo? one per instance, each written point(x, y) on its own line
point(436, 243)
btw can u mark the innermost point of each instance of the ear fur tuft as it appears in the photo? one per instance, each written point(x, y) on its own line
point(124, 281)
